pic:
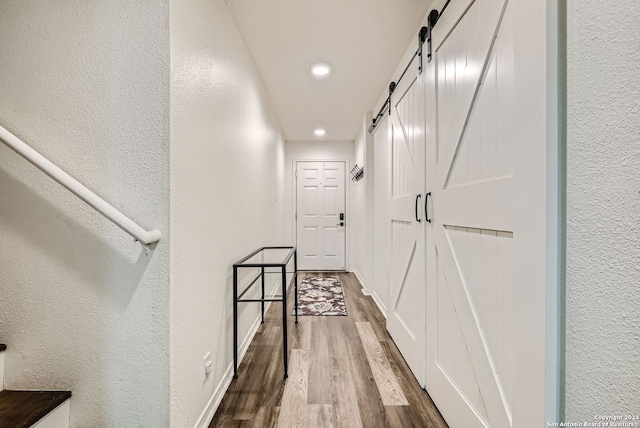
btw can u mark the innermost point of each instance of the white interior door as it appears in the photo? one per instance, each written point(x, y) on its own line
point(405, 309)
point(486, 276)
point(320, 203)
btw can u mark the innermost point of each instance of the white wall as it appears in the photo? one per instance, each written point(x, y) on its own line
point(83, 308)
point(362, 230)
point(227, 188)
point(369, 152)
point(603, 210)
point(312, 150)
point(379, 288)
point(358, 204)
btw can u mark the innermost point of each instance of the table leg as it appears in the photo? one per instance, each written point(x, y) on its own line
point(262, 303)
point(284, 320)
point(295, 281)
point(235, 322)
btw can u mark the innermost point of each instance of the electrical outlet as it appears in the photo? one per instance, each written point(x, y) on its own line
point(208, 364)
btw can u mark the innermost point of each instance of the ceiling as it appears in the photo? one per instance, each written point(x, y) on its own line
point(362, 40)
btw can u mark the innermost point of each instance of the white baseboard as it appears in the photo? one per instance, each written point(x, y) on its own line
point(357, 274)
point(369, 292)
point(210, 409)
point(379, 303)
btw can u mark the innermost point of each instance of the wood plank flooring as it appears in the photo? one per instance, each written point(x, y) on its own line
point(344, 372)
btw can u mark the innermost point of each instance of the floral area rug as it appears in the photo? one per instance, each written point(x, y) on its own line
point(321, 296)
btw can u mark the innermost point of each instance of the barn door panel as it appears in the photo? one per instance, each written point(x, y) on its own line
point(470, 268)
point(405, 308)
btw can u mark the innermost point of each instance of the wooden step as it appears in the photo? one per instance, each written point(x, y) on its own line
point(25, 408)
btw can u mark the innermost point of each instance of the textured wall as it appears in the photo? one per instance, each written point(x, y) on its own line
point(358, 196)
point(382, 233)
point(83, 308)
point(603, 210)
point(227, 162)
point(362, 211)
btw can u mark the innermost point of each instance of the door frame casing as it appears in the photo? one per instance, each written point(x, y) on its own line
point(347, 201)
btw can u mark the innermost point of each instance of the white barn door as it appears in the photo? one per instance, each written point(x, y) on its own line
point(320, 204)
point(486, 277)
point(405, 308)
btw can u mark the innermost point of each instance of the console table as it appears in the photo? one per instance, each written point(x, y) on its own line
point(265, 258)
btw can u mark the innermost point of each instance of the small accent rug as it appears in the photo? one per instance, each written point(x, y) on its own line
point(320, 296)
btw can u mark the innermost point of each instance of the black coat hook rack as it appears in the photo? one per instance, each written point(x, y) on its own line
point(357, 173)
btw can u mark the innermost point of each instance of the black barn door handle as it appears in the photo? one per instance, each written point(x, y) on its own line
point(426, 207)
point(417, 199)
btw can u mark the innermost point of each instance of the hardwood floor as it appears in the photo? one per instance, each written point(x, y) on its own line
point(344, 372)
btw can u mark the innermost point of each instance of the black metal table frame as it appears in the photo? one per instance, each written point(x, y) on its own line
point(238, 298)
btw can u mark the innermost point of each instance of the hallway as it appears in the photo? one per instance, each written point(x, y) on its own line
point(490, 156)
point(332, 380)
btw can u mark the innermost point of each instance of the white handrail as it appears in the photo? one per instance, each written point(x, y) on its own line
point(125, 223)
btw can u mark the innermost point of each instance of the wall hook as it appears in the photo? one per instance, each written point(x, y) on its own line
point(357, 173)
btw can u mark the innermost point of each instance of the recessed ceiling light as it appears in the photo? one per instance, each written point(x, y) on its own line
point(320, 69)
point(319, 132)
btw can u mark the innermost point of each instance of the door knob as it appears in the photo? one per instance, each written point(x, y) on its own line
point(340, 224)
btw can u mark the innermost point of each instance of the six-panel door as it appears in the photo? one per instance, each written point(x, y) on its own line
point(320, 200)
